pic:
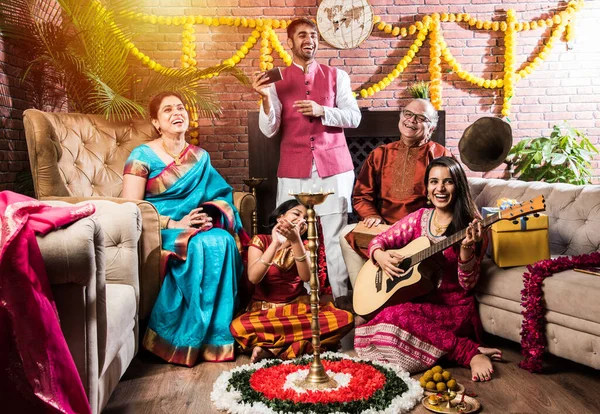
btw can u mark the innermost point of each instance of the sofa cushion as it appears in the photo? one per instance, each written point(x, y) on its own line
point(569, 293)
point(121, 319)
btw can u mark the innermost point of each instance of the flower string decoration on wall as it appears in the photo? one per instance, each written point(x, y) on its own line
point(263, 33)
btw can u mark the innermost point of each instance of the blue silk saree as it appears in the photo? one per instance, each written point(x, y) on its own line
point(197, 300)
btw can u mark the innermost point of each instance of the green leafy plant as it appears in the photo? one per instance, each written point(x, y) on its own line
point(419, 90)
point(563, 157)
point(84, 58)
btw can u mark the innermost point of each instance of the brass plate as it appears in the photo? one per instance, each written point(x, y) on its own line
point(471, 405)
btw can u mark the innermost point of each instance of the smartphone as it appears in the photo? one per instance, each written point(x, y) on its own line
point(273, 75)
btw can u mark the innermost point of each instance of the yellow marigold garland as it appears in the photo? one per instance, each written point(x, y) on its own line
point(188, 46)
point(269, 42)
point(570, 29)
point(510, 43)
point(435, 63)
point(266, 60)
point(549, 44)
point(402, 64)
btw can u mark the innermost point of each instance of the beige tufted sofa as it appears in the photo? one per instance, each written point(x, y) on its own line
point(76, 158)
point(572, 298)
point(92, 268)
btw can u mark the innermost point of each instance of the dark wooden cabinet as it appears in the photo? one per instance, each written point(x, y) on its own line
point(376, 128)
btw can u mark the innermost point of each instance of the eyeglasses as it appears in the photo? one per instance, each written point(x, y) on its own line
point(419, 118)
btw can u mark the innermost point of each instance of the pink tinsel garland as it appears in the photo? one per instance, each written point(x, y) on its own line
point(533, 340)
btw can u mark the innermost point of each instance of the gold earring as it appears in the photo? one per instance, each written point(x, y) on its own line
point(428, 201)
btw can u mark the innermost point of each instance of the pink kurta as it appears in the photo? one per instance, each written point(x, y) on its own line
point(444, 322)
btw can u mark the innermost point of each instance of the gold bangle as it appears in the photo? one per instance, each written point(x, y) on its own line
point(260, 259)
point(468, 246)
point(301, 258)
point(164, 222)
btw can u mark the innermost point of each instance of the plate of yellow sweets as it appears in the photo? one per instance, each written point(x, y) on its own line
point(438, 380)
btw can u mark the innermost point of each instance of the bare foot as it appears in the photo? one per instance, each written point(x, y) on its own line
point(259, 354)
point(493, 353)
point(481, 368)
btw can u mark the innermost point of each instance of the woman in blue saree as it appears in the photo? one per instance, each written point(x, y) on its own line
point(201, 232)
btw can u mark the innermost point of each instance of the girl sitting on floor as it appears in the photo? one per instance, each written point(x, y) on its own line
point(445, 322)
point(277, 320)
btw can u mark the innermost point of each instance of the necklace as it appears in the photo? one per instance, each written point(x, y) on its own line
point(175, 157)
point(439, 228)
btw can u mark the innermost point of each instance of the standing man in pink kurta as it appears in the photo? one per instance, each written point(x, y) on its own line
point(311, 106)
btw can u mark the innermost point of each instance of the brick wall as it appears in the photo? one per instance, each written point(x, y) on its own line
point(13, 100)
point(565, 87)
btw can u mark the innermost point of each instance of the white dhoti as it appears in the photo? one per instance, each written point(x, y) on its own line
point(334, 217)
point(354, 261)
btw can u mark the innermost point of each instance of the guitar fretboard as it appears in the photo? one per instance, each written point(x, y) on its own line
point(449, 241)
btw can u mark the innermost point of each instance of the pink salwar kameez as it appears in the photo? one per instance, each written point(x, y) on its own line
point(445, 322)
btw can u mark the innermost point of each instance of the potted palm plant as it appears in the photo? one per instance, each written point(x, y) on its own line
point(565, 157)
point(82, 58)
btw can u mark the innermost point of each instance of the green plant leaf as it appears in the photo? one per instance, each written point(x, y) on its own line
point(78, 50)
point(558, 159)
point(419, 90)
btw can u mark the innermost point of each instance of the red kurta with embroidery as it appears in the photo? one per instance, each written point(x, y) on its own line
point(444, 322)
point(390, 183)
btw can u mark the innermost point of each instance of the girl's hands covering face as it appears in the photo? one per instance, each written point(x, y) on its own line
point(289, 230)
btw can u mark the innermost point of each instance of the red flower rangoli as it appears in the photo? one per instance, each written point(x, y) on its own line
point(365, 380)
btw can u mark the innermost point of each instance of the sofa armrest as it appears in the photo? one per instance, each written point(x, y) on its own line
point(70, 254)
point(74, 261)
point(149, 248)
point(245, 203)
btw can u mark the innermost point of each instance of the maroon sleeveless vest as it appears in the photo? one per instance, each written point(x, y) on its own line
point(305, 138)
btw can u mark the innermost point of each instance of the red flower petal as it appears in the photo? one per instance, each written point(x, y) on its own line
point(365, 381)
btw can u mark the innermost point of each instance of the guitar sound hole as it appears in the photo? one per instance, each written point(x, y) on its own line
point(391, 283)
point(404, 265)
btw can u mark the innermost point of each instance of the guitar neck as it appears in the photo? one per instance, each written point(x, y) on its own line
point(449, 241)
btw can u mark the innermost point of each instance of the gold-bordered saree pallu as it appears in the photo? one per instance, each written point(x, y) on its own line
point(196, 303)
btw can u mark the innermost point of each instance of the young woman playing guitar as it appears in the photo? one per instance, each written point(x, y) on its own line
point(444, 322)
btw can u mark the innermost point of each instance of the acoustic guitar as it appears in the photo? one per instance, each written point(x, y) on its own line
point(373, 289)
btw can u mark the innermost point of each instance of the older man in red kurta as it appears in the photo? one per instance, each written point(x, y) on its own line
point(390, 184)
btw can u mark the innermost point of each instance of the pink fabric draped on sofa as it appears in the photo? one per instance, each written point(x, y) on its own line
point(37, 372)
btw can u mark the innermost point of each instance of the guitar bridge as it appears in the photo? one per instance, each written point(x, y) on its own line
point(379, 279)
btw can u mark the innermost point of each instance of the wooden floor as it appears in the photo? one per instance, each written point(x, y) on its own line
point(151, 386)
